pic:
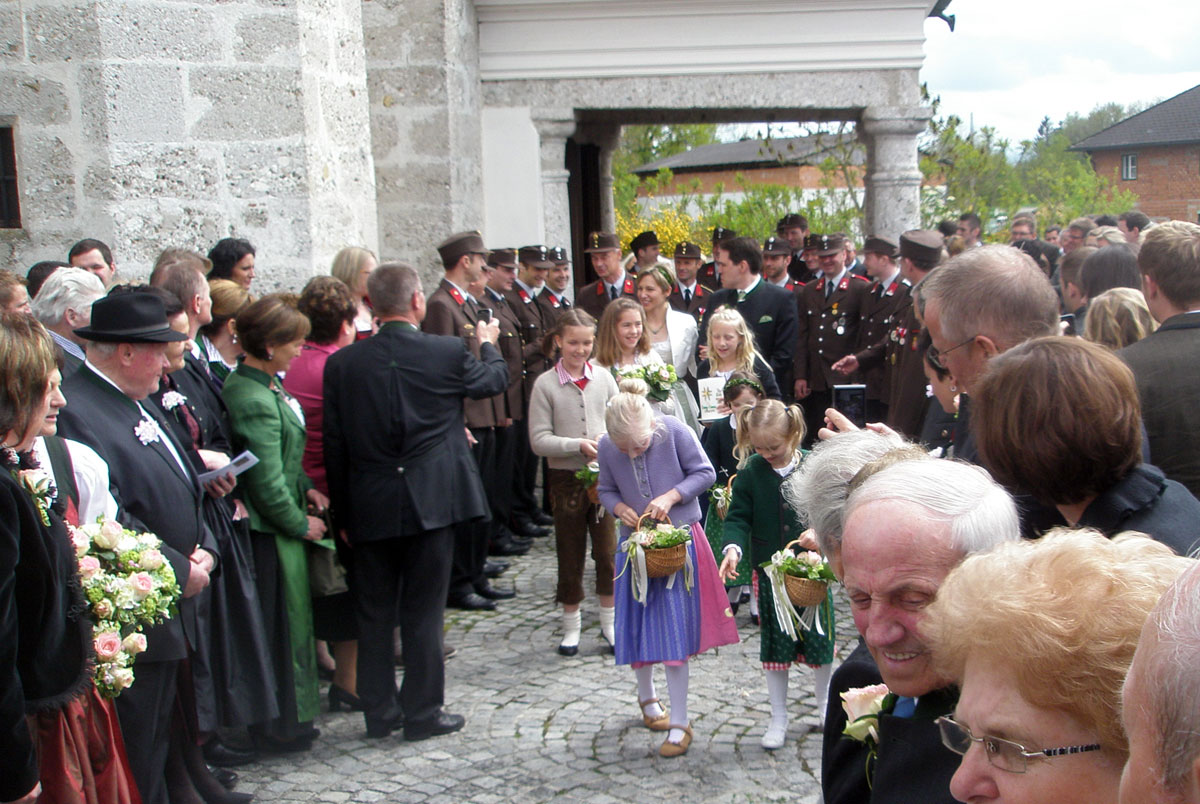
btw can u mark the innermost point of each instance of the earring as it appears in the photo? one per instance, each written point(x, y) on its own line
point(954, 389)
point(270, 355)
point(233, 339)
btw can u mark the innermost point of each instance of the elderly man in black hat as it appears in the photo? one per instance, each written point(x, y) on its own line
point(688, 295)
point(157, 490)
point(604, 250)
point(829, 310)
point(887, 296)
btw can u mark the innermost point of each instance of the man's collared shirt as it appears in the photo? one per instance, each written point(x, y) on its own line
point(69, 346)
point(167, 442)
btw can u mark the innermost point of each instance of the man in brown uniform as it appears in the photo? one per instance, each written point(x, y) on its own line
point(888, 294)
point(777, 255)
point(920, 252)
point(829, 311)
point(604, 250)
point(689, 295)
point(709, 274)
point(451, 310)
point(528, 519)
point(553, 299)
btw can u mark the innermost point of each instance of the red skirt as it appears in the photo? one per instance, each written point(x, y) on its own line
point(81, 756)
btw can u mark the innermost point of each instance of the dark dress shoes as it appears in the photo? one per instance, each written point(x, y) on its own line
point(275, 745)
point(226, 778)
point(443, 723)
point(494, 569)
point(508, 547)
point(530, 530)
point(472, 602)
point(338, 698)
point(492, 593)
point(218, 754)
point(568, 650)
point(542, 518)
point(378, 729)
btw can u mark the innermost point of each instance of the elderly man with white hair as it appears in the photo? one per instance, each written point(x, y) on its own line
point(904, 528)
point(1161, 702)
point(63, 305)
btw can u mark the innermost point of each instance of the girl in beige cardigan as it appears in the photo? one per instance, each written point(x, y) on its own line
point(566, 419)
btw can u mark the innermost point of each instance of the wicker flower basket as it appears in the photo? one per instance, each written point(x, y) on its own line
point(723, 510)
point(804, 591)
point(663, 561)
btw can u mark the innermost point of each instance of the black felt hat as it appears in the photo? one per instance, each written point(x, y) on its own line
point(129, 318)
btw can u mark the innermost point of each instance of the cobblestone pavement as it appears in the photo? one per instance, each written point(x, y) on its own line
point(541, 727)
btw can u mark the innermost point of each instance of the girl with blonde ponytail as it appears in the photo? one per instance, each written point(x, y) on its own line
point(761, 521)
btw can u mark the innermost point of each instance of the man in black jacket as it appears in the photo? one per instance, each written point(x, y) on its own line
point(401, 477)
point(158, 491)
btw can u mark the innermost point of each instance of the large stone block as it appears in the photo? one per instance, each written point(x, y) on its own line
point(149, 32)
point(263, 170)
point(144, 228)
point(266, 38)
point(344, 112)
point(429, 132)
point(33, 99)
point(12, 42)
point(135, 172)
point(62, 33)
point(258, 103)
point(414, 86)
point(144, 102)
point(46, 168)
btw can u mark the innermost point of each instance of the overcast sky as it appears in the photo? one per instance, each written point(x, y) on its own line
point(1014, 62)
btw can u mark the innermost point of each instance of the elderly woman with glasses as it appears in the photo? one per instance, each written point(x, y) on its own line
point(1039, 636)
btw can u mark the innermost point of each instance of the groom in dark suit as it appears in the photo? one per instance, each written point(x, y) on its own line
point(158, 492)
point(401, 476)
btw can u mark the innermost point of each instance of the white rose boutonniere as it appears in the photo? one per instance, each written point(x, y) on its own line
point(863, 706)
point(146, 431)
point(173, 399)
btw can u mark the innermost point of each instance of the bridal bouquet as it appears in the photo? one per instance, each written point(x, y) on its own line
point(660, 379)
point(129, 585)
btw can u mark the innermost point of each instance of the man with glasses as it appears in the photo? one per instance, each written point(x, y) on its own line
point(1075, 234)
point(906, 527)
point(977, 305)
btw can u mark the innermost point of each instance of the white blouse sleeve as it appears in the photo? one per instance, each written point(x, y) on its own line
point(91, 480)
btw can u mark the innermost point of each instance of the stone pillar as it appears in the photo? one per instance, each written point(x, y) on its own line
point(892, 202)
point(606, 137)
point(554, 126)
point(422, 68)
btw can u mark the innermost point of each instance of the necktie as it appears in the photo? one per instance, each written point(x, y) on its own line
point(566, 302)
point(612, 293)
point(905, 706)
point(687, 296)
point(828, 290)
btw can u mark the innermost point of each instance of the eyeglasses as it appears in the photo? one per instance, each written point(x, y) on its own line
point(1001, 754)
point(935, 355)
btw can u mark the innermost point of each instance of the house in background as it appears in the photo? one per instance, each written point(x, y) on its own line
point(1156, 154)
point(788, 161)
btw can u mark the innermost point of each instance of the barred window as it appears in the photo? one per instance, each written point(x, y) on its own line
point(10, 209)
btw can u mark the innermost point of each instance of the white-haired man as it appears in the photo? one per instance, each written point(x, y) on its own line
point(1161, 702)
point(63, 305)
point(906, 527)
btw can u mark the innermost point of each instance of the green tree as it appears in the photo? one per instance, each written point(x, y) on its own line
point(642, 144)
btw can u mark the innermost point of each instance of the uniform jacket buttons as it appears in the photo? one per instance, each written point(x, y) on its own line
point(400, 470)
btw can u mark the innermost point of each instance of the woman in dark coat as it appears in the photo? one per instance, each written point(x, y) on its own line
point(1059, 419)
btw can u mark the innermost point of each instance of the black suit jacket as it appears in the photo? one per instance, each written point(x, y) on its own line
point(771, 313)
point(395, 452)
point(1164, 367)
point(153, 492)
point(912, 764)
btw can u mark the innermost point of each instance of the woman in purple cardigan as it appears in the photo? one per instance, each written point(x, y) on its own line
point(655, 465)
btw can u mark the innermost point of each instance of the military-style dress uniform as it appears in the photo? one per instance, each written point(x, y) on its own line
point(880, 310)
point(829, 322)
point(593, 297)
point(552, 306)
point(695, 303)
point(905, 352)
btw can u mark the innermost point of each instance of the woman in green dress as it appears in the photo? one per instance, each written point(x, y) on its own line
point(269, 422)
point(760, 521)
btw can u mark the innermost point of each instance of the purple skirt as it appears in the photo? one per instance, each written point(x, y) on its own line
point(675, 623)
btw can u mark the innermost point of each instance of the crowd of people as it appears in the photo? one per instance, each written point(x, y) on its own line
point(1011, 508)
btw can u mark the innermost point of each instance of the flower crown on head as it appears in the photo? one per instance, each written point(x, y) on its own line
point(746, 381)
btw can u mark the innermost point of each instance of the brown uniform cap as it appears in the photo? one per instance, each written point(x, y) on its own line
point(825, 243)
point(456, 245)
point(776, 247)
point(687, 251)
point(602, 241)
point(503, 257)
point(558, 255)
point(536, 256)
point(880, 245)
point(921, 244)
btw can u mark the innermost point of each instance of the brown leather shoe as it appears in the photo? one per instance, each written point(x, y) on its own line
point(670, 749)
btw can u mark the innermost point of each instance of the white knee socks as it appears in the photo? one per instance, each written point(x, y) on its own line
point(571, 627)
point(646, 692)
point(821, 676)
point(608, 616)
point(777, 691)
point(677, 688)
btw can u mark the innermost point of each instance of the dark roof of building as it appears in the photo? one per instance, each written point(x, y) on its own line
point(807, 150)
point(1173, 122)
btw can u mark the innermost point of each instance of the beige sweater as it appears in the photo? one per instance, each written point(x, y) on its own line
point(560, 416)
